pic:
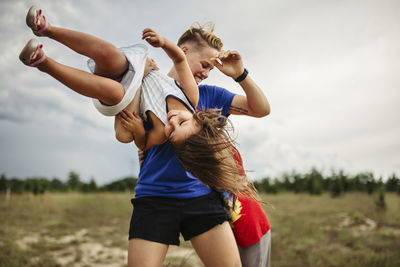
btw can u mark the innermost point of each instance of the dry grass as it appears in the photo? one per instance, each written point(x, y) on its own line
point(91, 230)
point(346, 231)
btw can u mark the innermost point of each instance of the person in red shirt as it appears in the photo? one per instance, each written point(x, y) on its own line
point(251, 227)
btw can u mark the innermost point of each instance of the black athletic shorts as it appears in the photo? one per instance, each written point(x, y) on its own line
point(161, 219)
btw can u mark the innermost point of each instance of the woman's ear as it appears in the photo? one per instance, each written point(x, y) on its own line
point(185, 49)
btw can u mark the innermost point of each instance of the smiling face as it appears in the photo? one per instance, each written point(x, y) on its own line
point(200, 61)
point(180, 125)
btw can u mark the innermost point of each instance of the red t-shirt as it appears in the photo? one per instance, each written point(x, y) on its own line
point(252, 223)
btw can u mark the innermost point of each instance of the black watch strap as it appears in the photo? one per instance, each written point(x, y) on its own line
point(242, 76)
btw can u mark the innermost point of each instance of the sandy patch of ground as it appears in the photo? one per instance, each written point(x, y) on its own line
point(180, 256)
point(27, 241)
point(79, 249)
point(390, 231)
point(359, 225)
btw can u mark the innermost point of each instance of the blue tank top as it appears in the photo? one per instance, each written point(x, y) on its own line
point(161, 174)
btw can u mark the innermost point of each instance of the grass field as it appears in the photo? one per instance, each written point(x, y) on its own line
point(74, 229)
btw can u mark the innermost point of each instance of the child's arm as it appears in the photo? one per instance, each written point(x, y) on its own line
point(186, 79)
point(121, 133)
point(143, 140)
point(132, 123)
point(156, 135)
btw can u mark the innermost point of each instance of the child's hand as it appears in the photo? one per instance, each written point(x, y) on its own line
point(132, 122)
point(153, 38)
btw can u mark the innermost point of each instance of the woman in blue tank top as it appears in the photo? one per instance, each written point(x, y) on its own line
point(169, 200)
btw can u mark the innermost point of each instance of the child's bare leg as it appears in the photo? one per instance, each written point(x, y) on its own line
point(121, 133)
point(110, 62)
point(106, 90)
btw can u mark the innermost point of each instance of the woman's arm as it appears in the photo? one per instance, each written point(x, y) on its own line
point(254, 103)
point(186, 79)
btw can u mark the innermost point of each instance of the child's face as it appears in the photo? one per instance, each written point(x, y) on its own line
point(180, 125)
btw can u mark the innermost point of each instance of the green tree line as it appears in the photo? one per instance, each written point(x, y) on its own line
point(315, 183)
point(40, 185)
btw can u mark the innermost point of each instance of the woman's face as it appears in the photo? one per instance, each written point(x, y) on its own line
point(180, 125)
point(200, 61)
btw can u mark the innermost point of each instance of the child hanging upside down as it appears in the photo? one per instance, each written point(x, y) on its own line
point(123, 76)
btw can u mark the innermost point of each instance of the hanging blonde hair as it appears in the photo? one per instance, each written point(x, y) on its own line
point(208, 154)
point(201, 35)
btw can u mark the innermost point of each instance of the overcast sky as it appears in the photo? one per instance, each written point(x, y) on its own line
point(330, 70)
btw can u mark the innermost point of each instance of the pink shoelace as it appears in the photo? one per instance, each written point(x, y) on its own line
point(34, 55)
point(38, 17)
point(36, 21)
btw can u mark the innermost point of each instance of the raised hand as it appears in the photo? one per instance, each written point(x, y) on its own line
point(153, 38)
point(229, 62)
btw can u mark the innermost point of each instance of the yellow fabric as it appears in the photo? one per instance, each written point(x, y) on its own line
point(235, 212)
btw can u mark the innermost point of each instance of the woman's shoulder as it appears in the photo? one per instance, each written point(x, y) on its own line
point(207, 89)
point(211, 96)
point(213, 91)
point(210, 87)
